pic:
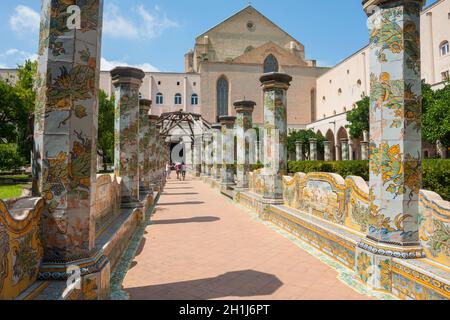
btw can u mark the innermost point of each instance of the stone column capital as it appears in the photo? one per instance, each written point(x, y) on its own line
point(144, 106)
point(299, 143)
point(275, 80)
point(227, 120)
point(370, 5)
point(152, 118)
point(121, 75)
point(313, 140)
point(244, 106)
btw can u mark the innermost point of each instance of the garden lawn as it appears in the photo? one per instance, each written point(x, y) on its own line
point(11, 191)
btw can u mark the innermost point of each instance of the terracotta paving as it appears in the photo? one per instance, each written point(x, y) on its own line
point(202, 246)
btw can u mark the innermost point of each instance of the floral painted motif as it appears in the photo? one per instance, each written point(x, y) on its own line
point(395, 112)
point(363, 266)
point(4, 252)
point(66, 125)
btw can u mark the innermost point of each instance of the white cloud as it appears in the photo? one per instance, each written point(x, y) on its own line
point(117, 26)
point(24, 20)
point(153, 26)
point(13, 57)
point(148, 24)
point(107, 65)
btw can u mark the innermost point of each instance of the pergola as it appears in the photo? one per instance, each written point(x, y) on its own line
point(194, 123)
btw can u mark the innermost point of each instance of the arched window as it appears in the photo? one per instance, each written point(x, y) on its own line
point(194, 99)
point(270, 64)
point(444, 48)
point(222, 97)
point(159, 98)
point(178, 99)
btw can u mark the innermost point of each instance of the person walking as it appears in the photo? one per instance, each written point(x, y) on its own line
point(178, 170)
point(183, 171)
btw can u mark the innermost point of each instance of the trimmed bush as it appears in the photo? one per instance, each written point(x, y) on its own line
point(10, 158)
point(344, 168)
point(436, 177)
point(436, 172)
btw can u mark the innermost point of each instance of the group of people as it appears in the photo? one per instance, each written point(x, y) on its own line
point(180, 169)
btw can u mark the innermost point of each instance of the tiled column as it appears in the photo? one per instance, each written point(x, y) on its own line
point(344, 150)
point(198, 141)
point(364, 150)
point(65, 139)
point(227, 123)
point(351, 146)
point(187, 147)
point(152, 146)
point(299, 151)
point(327, 150)
point(395, 139)
point(204, 153)
point(244, 123)
point(217, 147)
point(127, 82)
point(313, 149)
point(275, 86)
point(208, 138)
point(144, 142)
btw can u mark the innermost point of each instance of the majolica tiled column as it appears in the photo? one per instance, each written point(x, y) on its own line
point(395, 139)
point(345, 150)
point(275, 86)
point(204, 153)
point(351, 148)
point(327, 150)
point(217, 147)
point(187, 150)
point(65, 139)
point(244, 123)
point(207, 139)
point(152, 156)
point(228, 134)
point(127, 82)
point(364, 150)
point(313, 149)
point(198, 141)
point(144, 141)
point(299, 151)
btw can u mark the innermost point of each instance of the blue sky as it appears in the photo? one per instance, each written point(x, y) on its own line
point(155, 34)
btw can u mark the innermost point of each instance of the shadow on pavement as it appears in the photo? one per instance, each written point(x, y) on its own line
point(246, 283)
point(189, 220)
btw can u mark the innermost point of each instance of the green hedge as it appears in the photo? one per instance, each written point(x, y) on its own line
point(344, 168)
point(436, 173)
point(10, 158)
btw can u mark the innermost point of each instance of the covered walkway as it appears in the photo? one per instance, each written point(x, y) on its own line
point(202, 246)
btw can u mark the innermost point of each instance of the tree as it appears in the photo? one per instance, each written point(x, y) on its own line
point(436, 114)
point(304, 136)
point(359, 118)
point(26, 90)
point(11, 113)
point(106, 128)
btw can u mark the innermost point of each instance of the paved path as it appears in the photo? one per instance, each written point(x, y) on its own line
point(202, 246)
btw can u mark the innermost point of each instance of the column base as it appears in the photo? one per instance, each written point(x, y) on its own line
point(94, 281)
point(373, 261)
point(59, 269)
point(130, 203)
point(391, 250)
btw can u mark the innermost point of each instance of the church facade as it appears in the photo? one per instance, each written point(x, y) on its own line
point(227, 61)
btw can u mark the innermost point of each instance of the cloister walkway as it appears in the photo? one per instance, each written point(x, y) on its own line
point(200, 245)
